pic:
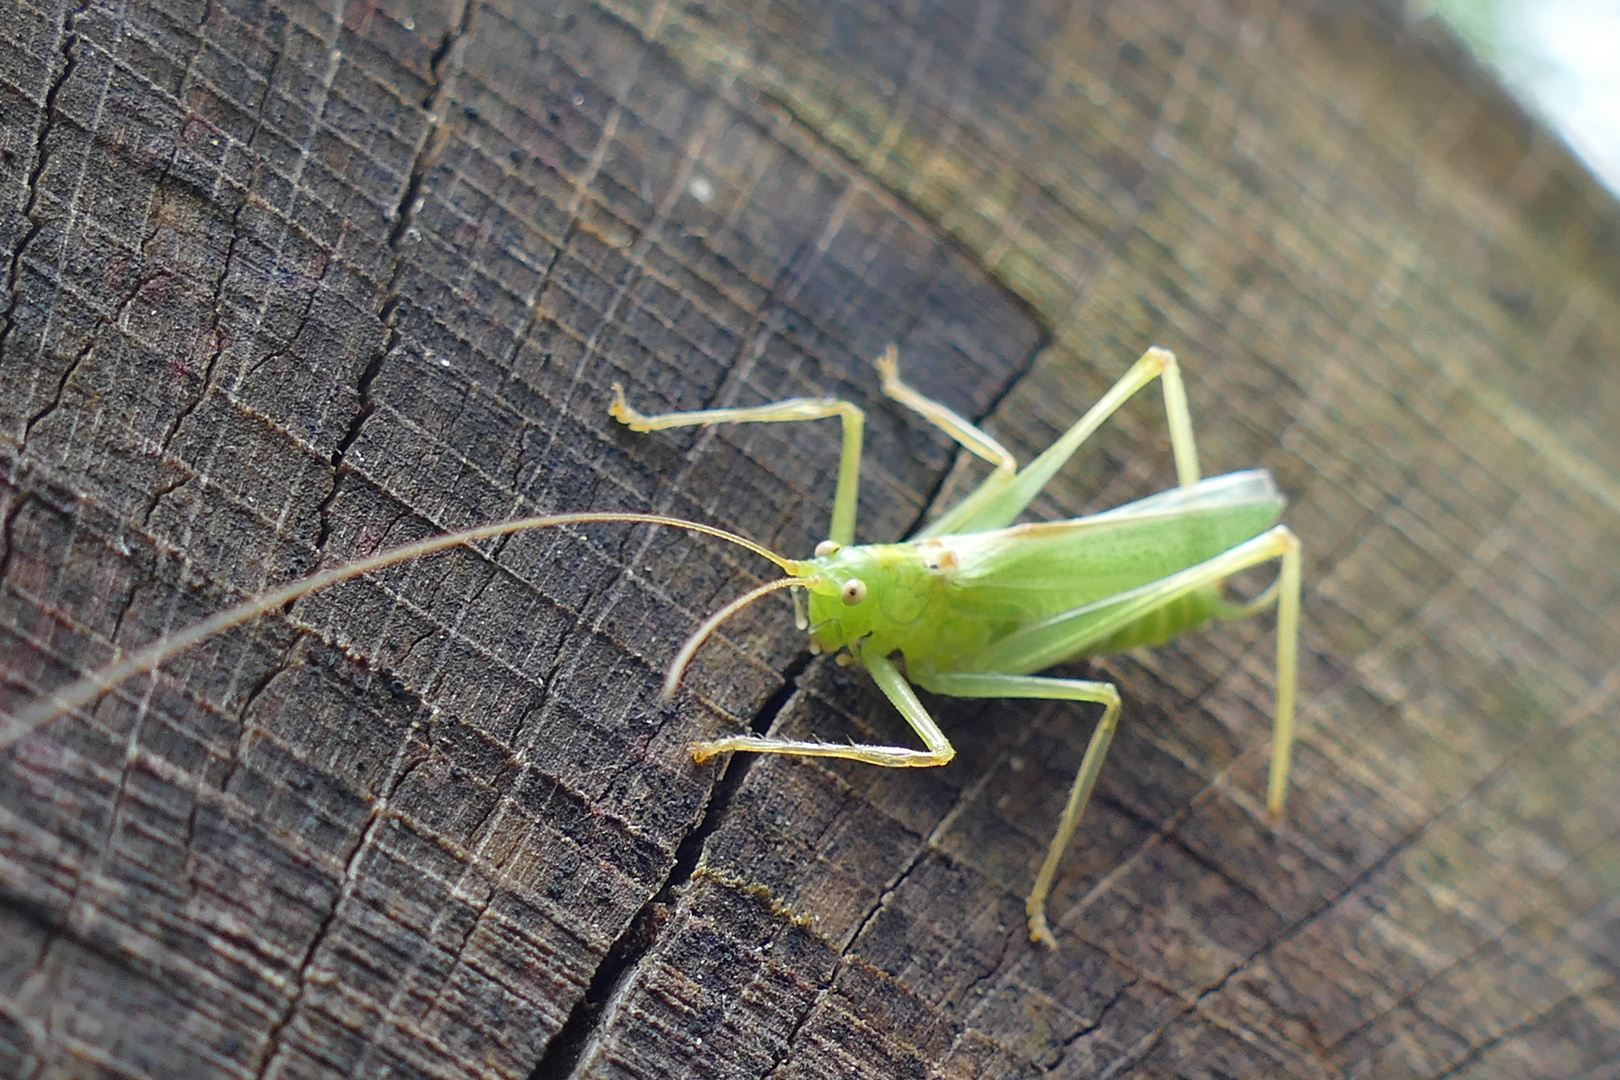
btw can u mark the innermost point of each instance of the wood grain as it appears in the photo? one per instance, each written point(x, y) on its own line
point(287, 283)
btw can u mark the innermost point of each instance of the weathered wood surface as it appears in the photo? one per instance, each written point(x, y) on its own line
point(285, 283)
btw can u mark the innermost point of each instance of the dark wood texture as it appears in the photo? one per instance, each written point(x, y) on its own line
point(285, 283)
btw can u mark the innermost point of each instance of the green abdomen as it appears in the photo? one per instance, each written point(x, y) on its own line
point(1161, 624)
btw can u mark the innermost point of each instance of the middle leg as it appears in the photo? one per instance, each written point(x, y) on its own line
point(991, 685)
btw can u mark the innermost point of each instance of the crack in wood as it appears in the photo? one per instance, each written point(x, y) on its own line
point(48, 117)
point(627, 954)
point(404, 215)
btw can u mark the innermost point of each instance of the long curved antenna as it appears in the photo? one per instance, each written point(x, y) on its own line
point(677, 667)
point(98, 683)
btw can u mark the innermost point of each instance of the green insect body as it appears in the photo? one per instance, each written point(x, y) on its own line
point(952, 600)
point(974, 604)
point(975, 607)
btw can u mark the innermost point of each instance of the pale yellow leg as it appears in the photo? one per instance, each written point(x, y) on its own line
point(1000, 499)
point(895, 687)
point(842, 529)
point(1282, 733)
point(989, 685)
point(948, 421)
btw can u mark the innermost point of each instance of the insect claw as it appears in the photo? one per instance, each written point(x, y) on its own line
point(888, 364)
point(1040, 933)
point(621, 411)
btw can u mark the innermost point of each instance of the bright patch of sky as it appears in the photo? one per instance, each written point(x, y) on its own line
point(1561, 57)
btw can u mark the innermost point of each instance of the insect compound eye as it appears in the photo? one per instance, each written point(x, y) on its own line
point(826, 547)
point(854, 591)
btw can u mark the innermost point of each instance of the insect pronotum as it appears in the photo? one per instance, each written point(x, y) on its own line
point(974, 604)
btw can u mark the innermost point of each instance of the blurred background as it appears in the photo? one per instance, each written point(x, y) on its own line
point(1559, 58)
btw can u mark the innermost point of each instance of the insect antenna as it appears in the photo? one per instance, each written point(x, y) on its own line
point(677, 667)
point(97, 684)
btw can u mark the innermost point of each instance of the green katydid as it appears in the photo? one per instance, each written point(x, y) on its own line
point(972, 605)
point(975, 606)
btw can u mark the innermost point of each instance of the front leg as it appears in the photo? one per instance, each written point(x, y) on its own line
point(939, 749)
point(842, 530)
